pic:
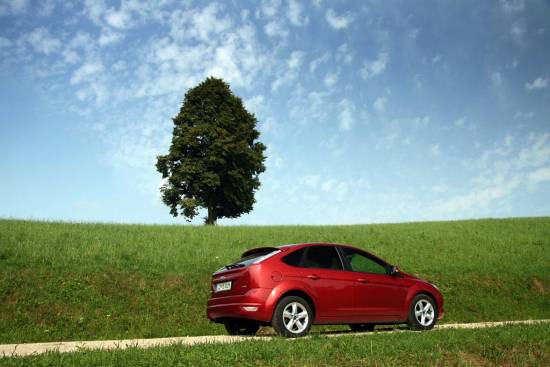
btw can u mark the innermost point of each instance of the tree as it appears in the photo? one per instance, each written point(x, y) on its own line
point(215, 157)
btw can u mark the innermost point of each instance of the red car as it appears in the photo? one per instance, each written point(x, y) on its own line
point(295, 286)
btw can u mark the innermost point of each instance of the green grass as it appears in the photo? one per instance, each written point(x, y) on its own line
point(509, 345)
point(61, 281)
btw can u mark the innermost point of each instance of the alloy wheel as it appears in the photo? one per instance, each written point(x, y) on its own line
point(295, 317)
point(424, 312)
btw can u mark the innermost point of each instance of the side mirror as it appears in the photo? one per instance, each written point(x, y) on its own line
point(394, 271)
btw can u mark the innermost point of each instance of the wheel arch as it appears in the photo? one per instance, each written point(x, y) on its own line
point(302, 294)
point(415, 292)
point(425, 292)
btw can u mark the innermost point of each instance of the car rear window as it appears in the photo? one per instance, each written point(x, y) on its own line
point(294, 258)
point(248, 260)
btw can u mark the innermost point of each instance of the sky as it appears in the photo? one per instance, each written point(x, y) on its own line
point(371, 111)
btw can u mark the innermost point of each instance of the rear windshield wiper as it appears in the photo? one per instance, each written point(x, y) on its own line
point(234, 266)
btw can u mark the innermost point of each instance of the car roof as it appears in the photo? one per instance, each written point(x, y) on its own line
point(309, 244)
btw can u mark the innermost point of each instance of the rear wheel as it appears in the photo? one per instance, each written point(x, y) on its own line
point(423, 313)
point(241, 327)
point(362, 327)
point(292, 317)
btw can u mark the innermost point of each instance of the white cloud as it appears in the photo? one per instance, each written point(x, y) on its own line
point(496, 79)
point(512, 6)
point(118, 18)
point(513, 64)
point(13, 7)
point(540, 175)
point(281, 80)
point(4, 42)
point(338, 21)
point(311, 181)
point(461, 122)
point(201, 24)
point(276, 28)
point(108, 38)
point(120, 65)
point(517, 31)
point(172, 64)
point(344, 54)
point(523, 115)
point(295, 60)
point(255, 103)
point(46, 8)
point(434, 149)
point(477, 197)
point(328, 185)
point(536, 154)
point(41, 41)
point(318, 61)
point(295, 15)
point(380, 104)
point(500, 172)
point(286, 76)
point(436, 59)
point(237, 58)
point(421, 122)
point(95, 9)
point(375, 67)
point(345, 116)
point(413, 33)
point(331, 78)
point(538, 83)
point(312, 108)
point(440, 188)
point(86, 71)
point(270, 8)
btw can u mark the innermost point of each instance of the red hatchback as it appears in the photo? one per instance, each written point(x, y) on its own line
point(295, 286)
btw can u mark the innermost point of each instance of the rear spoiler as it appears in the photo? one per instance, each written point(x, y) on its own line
point(259, 250)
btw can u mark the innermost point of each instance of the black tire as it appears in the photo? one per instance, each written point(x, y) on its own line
point(241, 327)
point(362, 327)
point(417, 313)
point(278, 320)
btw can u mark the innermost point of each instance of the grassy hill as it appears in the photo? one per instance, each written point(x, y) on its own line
point(61, 281)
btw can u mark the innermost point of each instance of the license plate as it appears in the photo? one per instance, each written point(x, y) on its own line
point(225, 286)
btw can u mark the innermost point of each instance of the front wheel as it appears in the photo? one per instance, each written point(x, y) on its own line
point(292, 317)
point(423, 313)
point(241, 327)
point(361, 327)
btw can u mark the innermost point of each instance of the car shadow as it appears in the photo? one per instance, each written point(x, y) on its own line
point(269, 332)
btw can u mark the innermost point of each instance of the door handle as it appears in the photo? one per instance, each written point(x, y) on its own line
point(313, 276)
point(362, 280)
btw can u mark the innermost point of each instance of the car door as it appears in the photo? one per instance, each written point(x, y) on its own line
point(378, 295)
point(321, 268)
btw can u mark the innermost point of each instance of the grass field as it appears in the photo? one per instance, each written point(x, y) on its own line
point(501, 346)
point(62, 281)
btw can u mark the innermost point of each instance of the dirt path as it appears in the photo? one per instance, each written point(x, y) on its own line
point(9, 350)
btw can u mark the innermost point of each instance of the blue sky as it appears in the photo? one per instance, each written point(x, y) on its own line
point(372, 111)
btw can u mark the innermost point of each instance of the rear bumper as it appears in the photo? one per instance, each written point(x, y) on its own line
point(232, 307)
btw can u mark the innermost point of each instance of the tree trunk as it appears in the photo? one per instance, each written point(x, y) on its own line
point(211, 220)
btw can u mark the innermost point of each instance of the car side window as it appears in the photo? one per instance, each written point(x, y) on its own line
point(360, 262)
point(324, 257)
point(294, 258)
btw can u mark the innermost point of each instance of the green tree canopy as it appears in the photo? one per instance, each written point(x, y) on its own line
point(215, 157)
